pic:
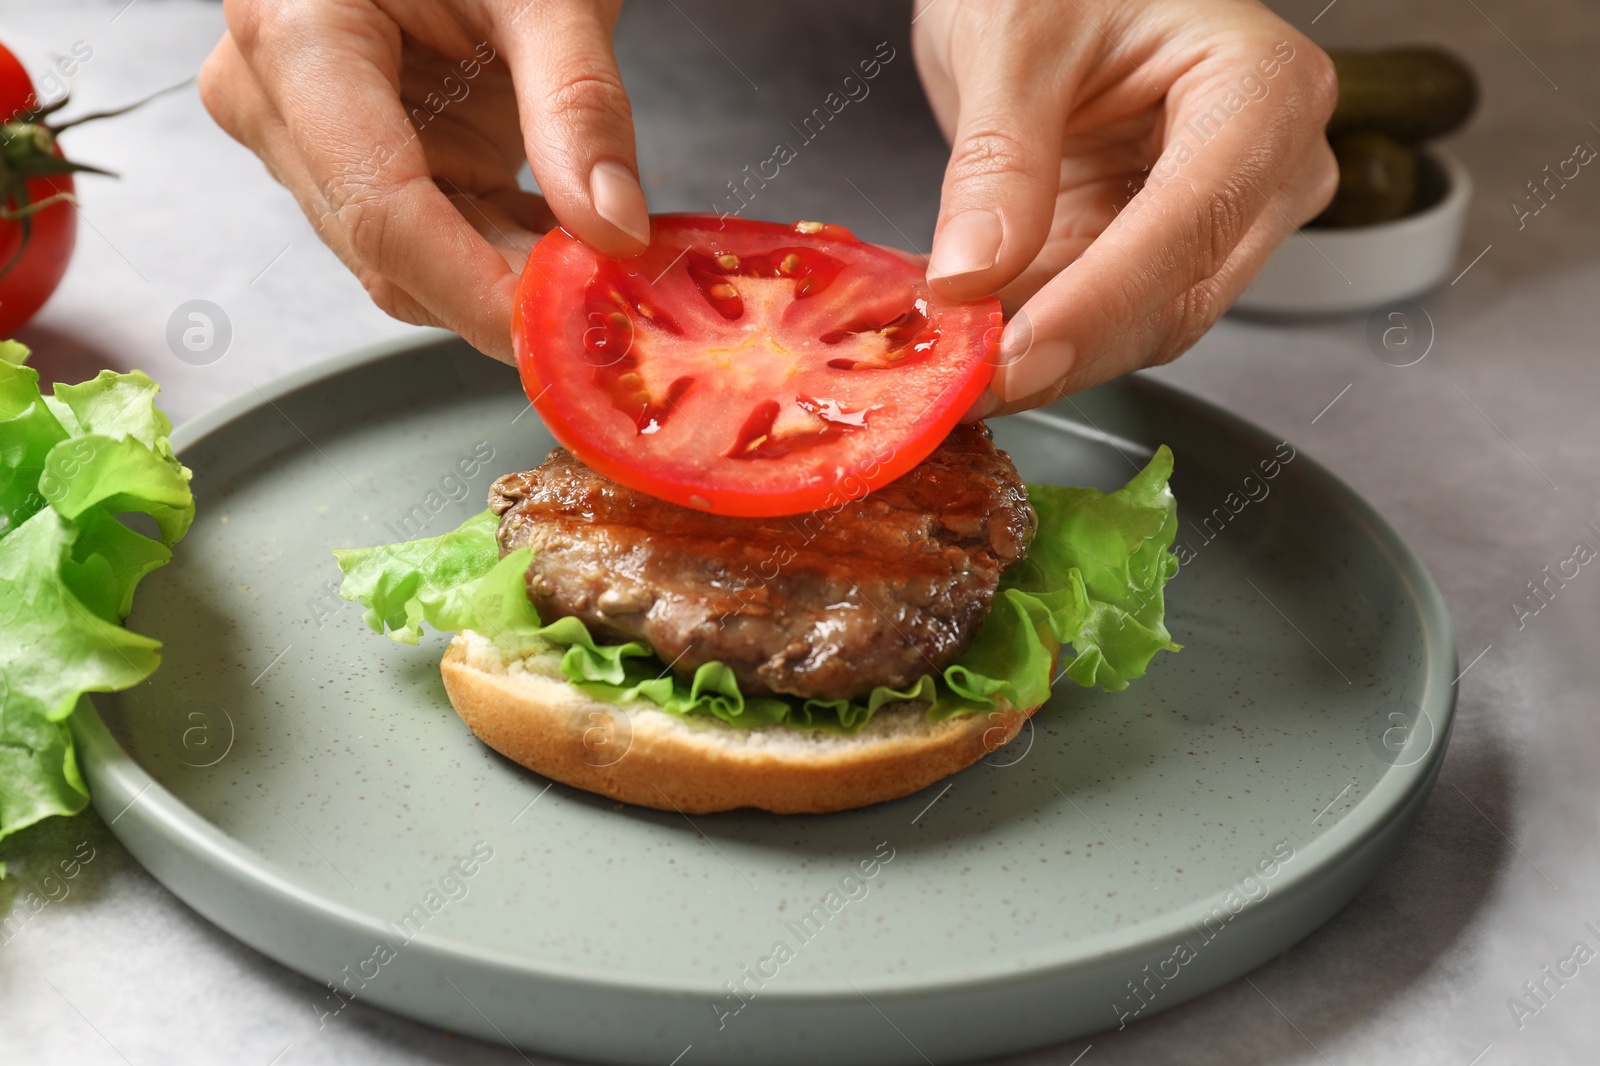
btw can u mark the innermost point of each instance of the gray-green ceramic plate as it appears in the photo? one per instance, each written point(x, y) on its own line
point(304, 784)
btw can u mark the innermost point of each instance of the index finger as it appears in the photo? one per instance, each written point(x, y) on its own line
point(341, 106)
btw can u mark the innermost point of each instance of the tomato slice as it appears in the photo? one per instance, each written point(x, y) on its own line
point(747, 368)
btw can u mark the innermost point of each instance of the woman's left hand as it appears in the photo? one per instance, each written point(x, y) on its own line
point(1119, 172)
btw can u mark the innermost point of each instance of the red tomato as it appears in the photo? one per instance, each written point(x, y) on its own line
point(46, 238)
point(747, 368)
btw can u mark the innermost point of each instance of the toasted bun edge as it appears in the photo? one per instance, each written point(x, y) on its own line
point(526, 710)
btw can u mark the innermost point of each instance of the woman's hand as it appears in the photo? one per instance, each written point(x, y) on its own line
point(400, 126)
point(1119, 172)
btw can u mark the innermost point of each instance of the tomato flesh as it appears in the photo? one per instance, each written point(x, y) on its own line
point(747, 368)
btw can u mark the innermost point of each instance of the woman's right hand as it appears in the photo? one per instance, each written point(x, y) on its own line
point(400, 127)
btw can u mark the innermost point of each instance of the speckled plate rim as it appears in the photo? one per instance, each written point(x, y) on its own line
point(124, 789)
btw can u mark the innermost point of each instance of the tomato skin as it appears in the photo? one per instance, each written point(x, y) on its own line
point(53, 231)
point(36, 273)
point(16, 88)
point(764, 369)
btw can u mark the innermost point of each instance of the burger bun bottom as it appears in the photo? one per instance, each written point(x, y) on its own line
point(521, 706)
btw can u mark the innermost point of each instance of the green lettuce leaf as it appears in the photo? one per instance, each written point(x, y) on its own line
point(28, 430)
point(1089, 602)
point(69, 464)
point(400, 584)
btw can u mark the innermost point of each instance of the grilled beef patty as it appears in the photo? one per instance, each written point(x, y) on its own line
point(877, 591)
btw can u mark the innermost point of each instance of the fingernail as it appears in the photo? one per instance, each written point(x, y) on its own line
point(1027, 369)
point(514, 247)
point(982, 407)
point(967, 243)
point(1016, 339)
point(619, 200)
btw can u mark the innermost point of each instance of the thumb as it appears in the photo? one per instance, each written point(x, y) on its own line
point(1001, 183)
point(577, 124)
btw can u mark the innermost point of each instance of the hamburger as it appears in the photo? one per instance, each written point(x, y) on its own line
point(726, 649)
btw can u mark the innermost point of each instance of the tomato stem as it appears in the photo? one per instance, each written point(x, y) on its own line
point(25, 224)
point(28, 210)
point(114, 112)
point(28, 150)
point(43, 111)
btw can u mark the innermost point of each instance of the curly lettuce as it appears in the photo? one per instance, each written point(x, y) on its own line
point(70, 463)
point(1089, 601)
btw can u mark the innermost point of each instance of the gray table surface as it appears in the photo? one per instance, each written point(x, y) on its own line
point(1482, 455)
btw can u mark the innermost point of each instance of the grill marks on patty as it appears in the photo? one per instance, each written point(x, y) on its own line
point(831, 604)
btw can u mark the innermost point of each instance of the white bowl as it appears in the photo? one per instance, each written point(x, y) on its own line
point(1337, 271)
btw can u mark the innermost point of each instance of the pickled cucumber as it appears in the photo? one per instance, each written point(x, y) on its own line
point(1378, 181)
point(1408, 94)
